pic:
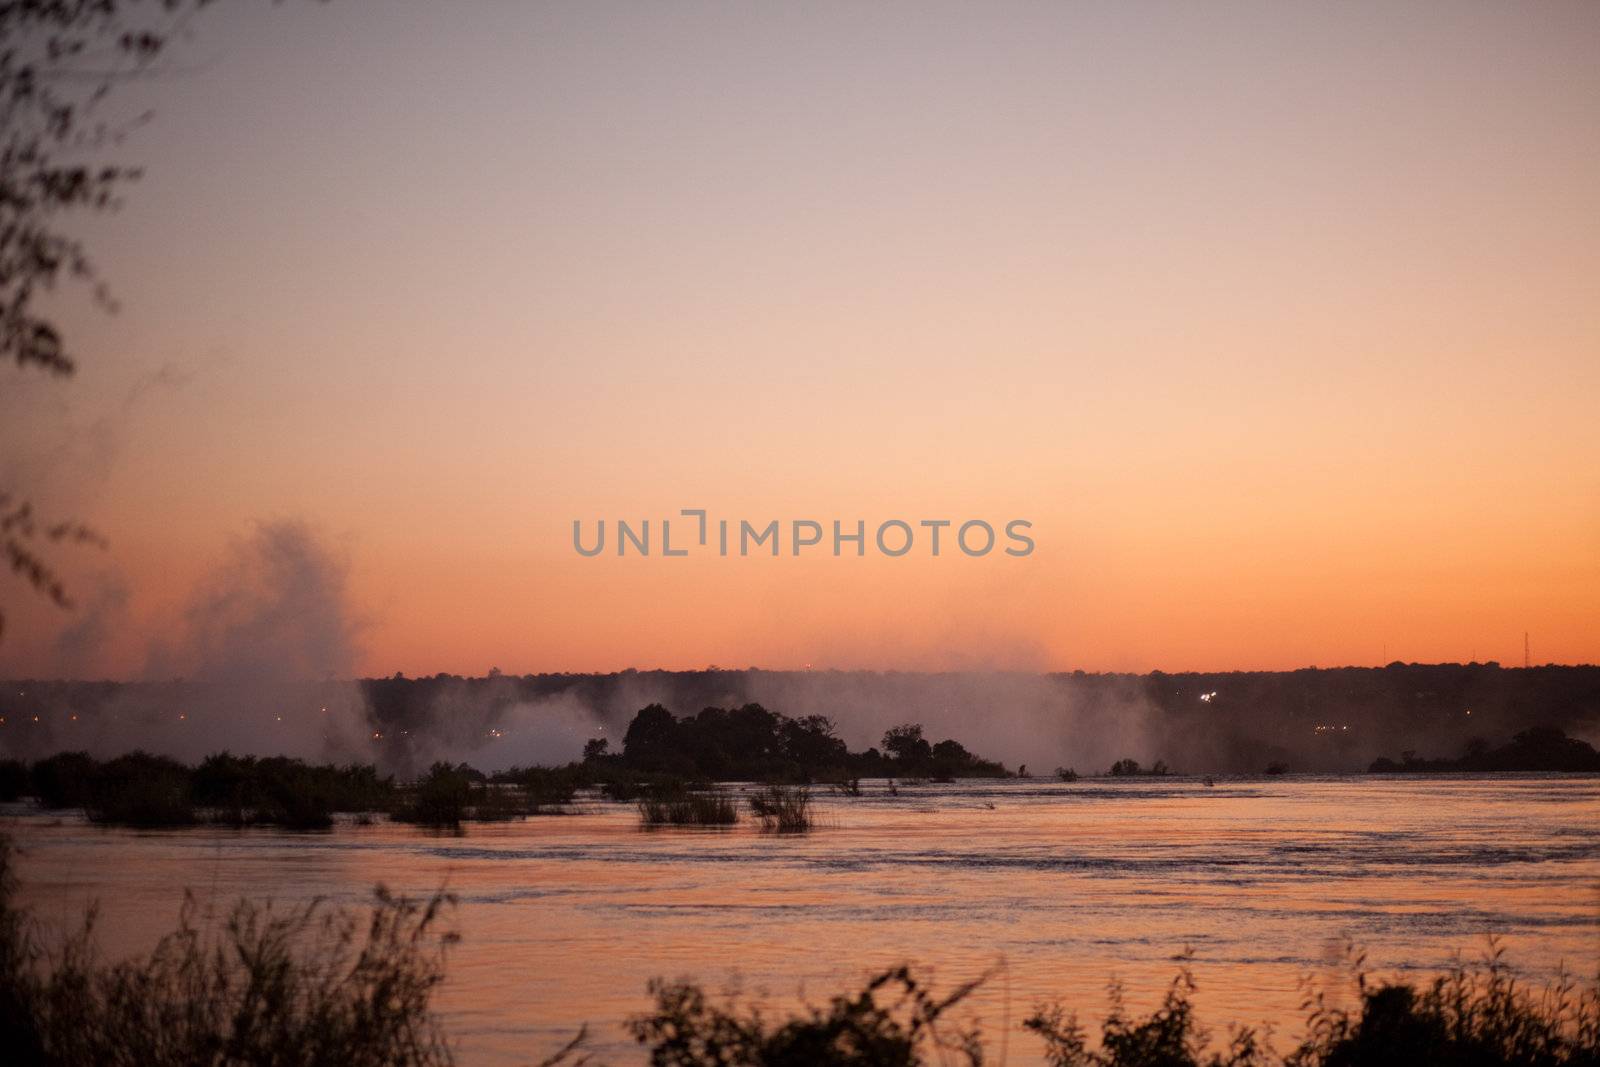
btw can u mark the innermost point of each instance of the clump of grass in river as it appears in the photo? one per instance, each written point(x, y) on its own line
point(705, 807)
point(783, 809)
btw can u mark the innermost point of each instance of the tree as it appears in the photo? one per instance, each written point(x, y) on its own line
point(649, 735)
point(906, 744)
point(810, 741)
point(60, 63)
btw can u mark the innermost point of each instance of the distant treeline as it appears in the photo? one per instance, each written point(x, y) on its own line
point(1235, 722)
point(1242, 722)
point(1538, 749)
point(662, 757)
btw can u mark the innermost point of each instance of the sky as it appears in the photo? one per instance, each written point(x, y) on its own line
point(1279, 323)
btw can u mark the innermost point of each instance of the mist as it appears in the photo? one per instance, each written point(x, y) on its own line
point(262, 659)
point(258, 661)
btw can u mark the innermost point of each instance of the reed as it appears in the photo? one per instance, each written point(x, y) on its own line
point(287, 987)
point(782, 809)
point(708, 807)
point(303, 985)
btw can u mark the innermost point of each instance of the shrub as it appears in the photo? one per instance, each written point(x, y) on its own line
point(546, 789)
point(498, 803)
point(622, 790)
point(1476, 1013)
point(1169, 1037)
point(301, 810)
point(892, 1022)
point(62, 781)
point(141, 790)
point(238, 791)
point(439, 800)
point(627, 787)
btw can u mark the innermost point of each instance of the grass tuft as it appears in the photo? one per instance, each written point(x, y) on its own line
point(707, 807)
point(783, 809)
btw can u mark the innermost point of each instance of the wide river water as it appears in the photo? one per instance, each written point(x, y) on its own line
point(1059, 887)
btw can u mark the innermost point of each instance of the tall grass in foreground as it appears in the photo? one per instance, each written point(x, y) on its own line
point(707, 807)
point(783, 809)
point(304, 986)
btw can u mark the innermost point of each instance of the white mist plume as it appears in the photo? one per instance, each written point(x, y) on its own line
point(1039, 720)
point(1017, 718)
point(256, 663)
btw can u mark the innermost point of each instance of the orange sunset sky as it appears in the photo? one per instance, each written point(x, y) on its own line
point(1281, 323)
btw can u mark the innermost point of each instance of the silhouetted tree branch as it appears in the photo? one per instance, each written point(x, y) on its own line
point(60, 62)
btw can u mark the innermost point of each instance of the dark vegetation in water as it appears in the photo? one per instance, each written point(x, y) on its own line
point(666, 765)
point(142, 790)
point(314, 985)
point(441, 799)
point(782, 809)
point(1542, 748)
point(750, 743)
point(139, 789)
point(1129, 768)
point(448, 796)
point(688, 807)
point(277, 791)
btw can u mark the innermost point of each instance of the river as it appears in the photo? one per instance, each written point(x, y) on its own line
point(1055, 887)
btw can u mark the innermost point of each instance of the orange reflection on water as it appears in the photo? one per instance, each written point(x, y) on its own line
point(564, 919)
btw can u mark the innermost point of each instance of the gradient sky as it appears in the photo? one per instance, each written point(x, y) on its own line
point(1280, 322)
